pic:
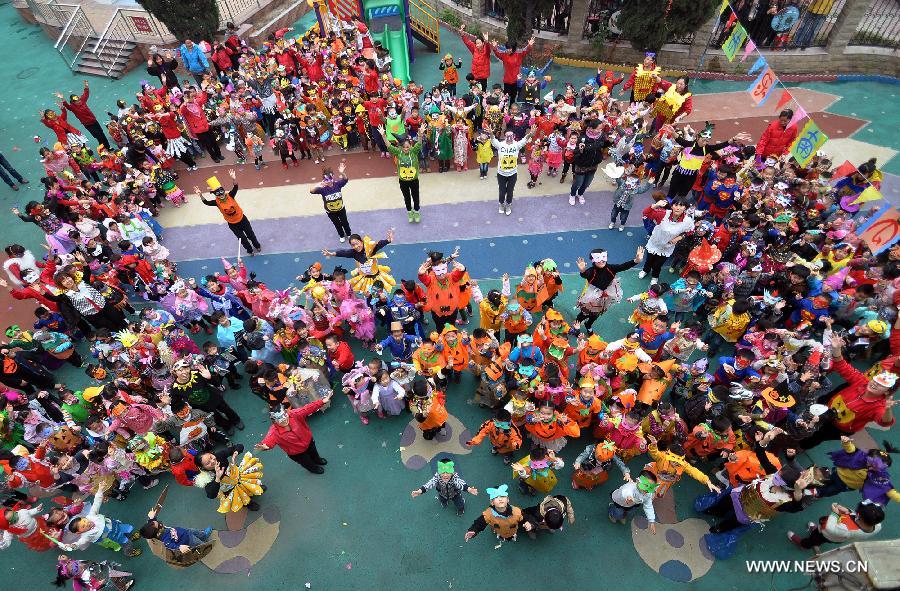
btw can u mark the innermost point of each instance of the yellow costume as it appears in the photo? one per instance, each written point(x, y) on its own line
point(365, 274)
point(240, 483)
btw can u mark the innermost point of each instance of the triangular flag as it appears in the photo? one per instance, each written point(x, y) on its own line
point(731, 20)
point(750, 47)
point(723, 6)
point(734, 41)
point(845, 169)
point(870, 193)
point(759, 64)
point(807, 143)
point(785, 97)
point(799, 115)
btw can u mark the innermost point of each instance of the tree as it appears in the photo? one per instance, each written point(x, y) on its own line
point(648, 27)
point(520, 15)
point(196, 20)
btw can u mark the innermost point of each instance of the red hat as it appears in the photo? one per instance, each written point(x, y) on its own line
point(705, 256)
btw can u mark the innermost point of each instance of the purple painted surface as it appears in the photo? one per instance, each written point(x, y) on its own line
point(531, 215)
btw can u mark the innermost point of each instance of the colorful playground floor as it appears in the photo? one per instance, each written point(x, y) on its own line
point(356, 527)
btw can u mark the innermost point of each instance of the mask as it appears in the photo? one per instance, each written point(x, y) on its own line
point(646, 485)
point(503, 425)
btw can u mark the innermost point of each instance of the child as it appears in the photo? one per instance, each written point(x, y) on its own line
point(623, 199)
point(536, 163)
point(356, 387)
point(633, 493)
point(501, 517)
point(842, 526)
point(451, 73)
point(284, 149)
point(535, 471)
point(339, 354)
point(449, 486)
point(387, 395)
point(650, 304)
point(592, 465)
point(255, 146)
point(503, 435)
point(90, 527)
point(427, 406)
point(484, 153)
point(710, 438)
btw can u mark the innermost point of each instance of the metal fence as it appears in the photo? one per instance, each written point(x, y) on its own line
point(554, 21)
point(233, 10)
point(602, 19)
point(880, 26)
point(782, 24)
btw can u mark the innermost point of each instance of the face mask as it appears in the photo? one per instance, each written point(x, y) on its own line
point(504, 425)
point(539, 464)
point(646, 485)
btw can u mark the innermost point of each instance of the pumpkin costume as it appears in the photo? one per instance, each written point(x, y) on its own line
point(505, 437)
point(503, 519)
point(428, 360)
point(550, 432)
point(427, 406)
point(454, 348)
point(653, 388)
point(593, 465)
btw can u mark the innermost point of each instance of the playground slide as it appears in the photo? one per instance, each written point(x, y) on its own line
point(394, 40)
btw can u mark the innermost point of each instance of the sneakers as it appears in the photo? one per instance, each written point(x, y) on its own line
point(642, 274)
point(192, 168)
point(364, 419)
point(502, 209)
point(417, 217)
point(611, 224)
point(581, 200)
point(621, 228)
point(571, 200)
point(14, 187)
point(410, 217)
point(654, 281)
point(794, 538)
point(508, 209)
point(342, 240)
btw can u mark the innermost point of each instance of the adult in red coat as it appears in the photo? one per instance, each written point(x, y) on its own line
point(776, 140)
point(860, 402)
point(197, 122)
point(312, 66)
point(481, 56)
point(65, 133)
point(79, 107)
point(512, 66)
point(291, 433)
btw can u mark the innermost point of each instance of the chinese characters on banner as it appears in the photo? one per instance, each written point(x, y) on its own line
point(734, 42)
point(763, 86)
point(882, 230)
point(806, 144)
point(141, 24)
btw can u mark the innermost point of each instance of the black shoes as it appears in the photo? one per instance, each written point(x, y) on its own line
point(317, 470)
point(322, 462)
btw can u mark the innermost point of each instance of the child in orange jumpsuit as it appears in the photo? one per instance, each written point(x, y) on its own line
point(502, 433)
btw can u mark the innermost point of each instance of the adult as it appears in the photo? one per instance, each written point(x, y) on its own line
point(407, 155)
point(588, 155)
point(675, 103)
point(671, 225)
point(231, 211)
point(163, 67)
point(78, 106)
point(19, 372)
point(329, 189)
point(511, 57)
point(194, 59)
point(81, 301)
point(602, 289)
point(692, 158)
point(860, 402)
point(4, 164)
point(292, 434)
point(644, 79)
point(508, 165)
point(815, 16)
point(198, 124)
point(481, 55)
point(776, 140)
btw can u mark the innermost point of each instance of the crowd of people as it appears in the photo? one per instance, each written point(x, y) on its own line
point(750, 355)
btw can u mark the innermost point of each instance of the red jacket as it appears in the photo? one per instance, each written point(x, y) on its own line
point(342, 359)
point(196, 121)
point(313, 68)
point(36, 473)
point(481, 59)
point(852, 412)
point(81, 110)
point(512, 63)
point(60, 127)
point(776, 140)
point(286, 59)
point(222, 57)
point(296, 437)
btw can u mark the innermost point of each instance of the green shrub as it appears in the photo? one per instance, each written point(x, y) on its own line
point(450, 17)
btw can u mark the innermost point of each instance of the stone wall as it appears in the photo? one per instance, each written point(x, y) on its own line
point(838, 57)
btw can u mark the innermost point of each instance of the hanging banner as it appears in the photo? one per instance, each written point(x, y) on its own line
point(806, 144)
point(759, 64)
point(882, 230)
point(723, 6)
point(783, 100)
point(799, 115)
point(870, 193)
point(763, 86)
point(734, 42)
point(748, 49)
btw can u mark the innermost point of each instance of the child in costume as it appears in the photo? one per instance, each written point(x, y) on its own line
point(650, 304)
point(356, 385)
point(633, 494)
point(454, 348)
point(591, 467)
point(449, 486)
point(535, 471)
point(584, 407)
point(503, 519)
point(90, 527)
point(504, 436)
point(842, 526)
point(549, 429)
point(164, 181)
point(388, 395)
point(536, 163)
point(427, 406)
point(668, 465)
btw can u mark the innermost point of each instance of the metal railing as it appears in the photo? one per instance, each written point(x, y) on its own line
point(880, 25)
point(233, 10)
point(422, 18)
point(795, 26)
point(75, 34)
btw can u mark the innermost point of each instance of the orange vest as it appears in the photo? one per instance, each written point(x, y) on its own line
point(504, 527)
point(497, 365)
point(230, 209)
point(437, 413)
point(582, 415)
point(442, 296)
point(515, 326)
point(456, 357)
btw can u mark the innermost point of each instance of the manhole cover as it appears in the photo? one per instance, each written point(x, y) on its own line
point(27, 73)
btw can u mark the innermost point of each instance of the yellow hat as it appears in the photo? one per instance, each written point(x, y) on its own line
point(877, 326)
point(213, 183)
point(91, 392)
